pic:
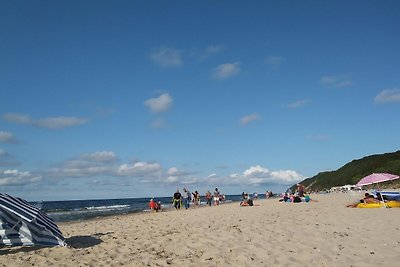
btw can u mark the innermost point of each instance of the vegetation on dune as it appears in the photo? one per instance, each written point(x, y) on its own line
point(354, 171)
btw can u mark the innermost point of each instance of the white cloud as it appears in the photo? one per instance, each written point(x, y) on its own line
point(139, 169)
point(388, 96)
point(15, 177)
point(167, 57)
point(7, 137)
point(226, 71)
point(257, 175)
point(249, 118)
point(298, 103)
point(159, 104)
point(48, 123)
point(338, 81)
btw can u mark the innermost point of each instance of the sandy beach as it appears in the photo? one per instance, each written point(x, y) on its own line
point(322, 233)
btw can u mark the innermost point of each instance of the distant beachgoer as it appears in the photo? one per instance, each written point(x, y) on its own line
point(367, 199)
point(153, 205)
point(284, 197)
point(300, 190)
point(216, 197)
point(177, 199)
point(243, 195)
point(196, 198)
point(186, 198)
point(208, 197)
point(247, 202)
point(159, 206)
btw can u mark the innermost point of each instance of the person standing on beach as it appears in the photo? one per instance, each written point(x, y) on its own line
point(216, 197)
point(186, 198)
point(208, 198)
point(177, 199)
point(300, 190)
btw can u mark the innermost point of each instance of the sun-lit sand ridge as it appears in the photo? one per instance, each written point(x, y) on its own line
point(323, 233)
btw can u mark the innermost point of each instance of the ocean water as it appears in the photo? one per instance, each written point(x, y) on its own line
point(71, 210)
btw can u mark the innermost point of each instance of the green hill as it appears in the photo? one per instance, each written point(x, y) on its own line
point(352, 172)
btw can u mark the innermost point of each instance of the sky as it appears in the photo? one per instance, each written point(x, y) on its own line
point(124, 99)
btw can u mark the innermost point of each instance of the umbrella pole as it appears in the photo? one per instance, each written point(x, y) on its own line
point(380, 193)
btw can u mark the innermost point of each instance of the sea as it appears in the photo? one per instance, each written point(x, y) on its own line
point(77, 210)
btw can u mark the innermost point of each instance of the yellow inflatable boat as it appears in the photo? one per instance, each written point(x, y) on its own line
point(389, 204)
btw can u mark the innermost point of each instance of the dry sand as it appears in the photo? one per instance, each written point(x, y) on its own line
point(322, 233)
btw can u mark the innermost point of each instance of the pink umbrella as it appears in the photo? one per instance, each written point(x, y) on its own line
point(377, 178)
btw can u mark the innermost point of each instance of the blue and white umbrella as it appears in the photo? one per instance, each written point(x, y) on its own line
point(22, 224)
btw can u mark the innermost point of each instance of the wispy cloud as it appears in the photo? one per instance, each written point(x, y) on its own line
point(48, 123)
point(159, 123)
point(318, 137)
point(225, 71)
point(159, 104)
point(106, 164)
point(249, 119)
point(7, 137)
point(213, 49)
point(298, 104)
point(6, 159)
point(337, 81)
point(388, 96)
point(274, 61)
point(86, 165)
point(167, 57)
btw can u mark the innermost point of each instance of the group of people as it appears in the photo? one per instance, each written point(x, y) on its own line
point(297, 197)
point(188, 198)
point(246, 199)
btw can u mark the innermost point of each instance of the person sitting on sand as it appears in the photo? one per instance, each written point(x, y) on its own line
point(367, 199)
point(247, 201)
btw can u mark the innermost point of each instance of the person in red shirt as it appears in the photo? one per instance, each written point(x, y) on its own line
point(153, 205)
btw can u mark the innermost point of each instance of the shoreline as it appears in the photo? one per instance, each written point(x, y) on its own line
point(322, 233)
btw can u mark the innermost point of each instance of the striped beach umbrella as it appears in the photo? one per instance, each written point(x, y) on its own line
point(22, 224)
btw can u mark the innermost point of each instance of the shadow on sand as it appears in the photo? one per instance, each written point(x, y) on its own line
point(84, 241)
point(72, 242)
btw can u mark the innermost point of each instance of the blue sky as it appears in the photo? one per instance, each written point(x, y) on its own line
point(110, 99)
